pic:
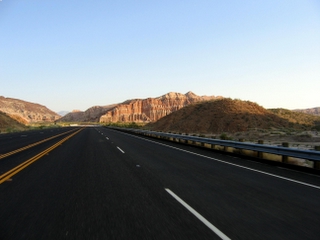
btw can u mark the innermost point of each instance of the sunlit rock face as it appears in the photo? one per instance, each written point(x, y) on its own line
point(151, 109)
point(92, 114)
point(26, 112)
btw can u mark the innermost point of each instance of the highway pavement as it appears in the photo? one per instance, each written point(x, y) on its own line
point(98, 183)
point(13, 141)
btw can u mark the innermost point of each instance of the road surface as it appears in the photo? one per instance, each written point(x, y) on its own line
point(98, 183)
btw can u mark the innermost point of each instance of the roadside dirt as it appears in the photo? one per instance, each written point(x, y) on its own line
point(301, 140)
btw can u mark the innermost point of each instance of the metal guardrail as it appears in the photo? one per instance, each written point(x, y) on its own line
point(284, 151)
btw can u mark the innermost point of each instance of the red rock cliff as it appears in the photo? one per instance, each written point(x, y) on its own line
point(151, 109)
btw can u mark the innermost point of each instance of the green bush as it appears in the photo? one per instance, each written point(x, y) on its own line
point(224, 136)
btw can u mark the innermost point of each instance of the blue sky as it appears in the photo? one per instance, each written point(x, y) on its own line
point(76, 54)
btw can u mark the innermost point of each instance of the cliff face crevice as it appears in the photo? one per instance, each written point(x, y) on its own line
point(151, 109)
point(26, 112)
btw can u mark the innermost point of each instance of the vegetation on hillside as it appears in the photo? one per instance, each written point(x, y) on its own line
point(9, 124)
point(301, 118)
point(226, 115)
point(125, 125)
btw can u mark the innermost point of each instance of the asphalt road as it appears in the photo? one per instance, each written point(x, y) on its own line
point(104, 184)
point(12, 141)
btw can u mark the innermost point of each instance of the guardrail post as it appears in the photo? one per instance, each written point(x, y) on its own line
point(285, 158)
point(225, 148)
point(316, 164)
point(240, 149)
point(260, 154)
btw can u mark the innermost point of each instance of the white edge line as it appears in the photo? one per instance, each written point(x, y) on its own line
point(232, 164)
point(120, 150)
point(198, 215)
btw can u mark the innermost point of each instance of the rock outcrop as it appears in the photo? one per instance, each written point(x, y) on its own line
point(8, 124)
point(26, 112)
point(151, 109)
point(92, 114)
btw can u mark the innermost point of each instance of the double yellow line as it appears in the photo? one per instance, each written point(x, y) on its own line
point(25, 164)
point(32, 145)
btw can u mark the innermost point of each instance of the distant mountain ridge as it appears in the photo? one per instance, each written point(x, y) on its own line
point(313, 111)
point(63, 113)
point(136, 110)
point(90, 115)
point(152, 109)
point(26, 112)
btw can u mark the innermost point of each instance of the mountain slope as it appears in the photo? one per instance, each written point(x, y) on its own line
point(224, 115)
point(26, 112)
point(151, 109)
point(298, 117)
point(136, 110)
point(92, 114)
point(7, 123)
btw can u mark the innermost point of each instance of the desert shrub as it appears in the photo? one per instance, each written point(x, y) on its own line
point(125, 125)
point(133, 125)
point(224, 136)
point(9, 130)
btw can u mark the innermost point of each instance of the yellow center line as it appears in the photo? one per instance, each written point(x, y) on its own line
point(32, 145)
point(25, 164)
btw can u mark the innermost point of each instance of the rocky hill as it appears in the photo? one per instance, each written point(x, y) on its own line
point(7, 123)
point(313, 111)
point(151, 109)
point(26, 112)
point(136, 110)
point(224, 115)
point(92, 114)
point(297, 117)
